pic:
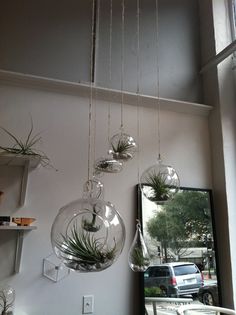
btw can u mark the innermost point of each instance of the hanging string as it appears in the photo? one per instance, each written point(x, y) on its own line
point(138, 85)
point(110, 71)
point(122, 63)
point(91, 87)
point(158, 82)
point(96, 42)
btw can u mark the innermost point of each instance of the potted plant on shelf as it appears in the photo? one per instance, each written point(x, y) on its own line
point(25, 148)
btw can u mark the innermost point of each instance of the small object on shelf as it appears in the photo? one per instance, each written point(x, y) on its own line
point(54, 269)
point(23, 221)
point(5, 220)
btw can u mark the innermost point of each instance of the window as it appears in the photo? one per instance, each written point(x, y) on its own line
point(232, 17)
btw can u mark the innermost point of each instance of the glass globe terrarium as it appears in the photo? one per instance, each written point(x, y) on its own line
point(122, 147)
point(88, 234)
point(159, 183)
point(139, 259)
point(108, 165)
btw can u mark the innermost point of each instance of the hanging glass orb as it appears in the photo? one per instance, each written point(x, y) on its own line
point(139, 258)
point(88, 235)
point(122, 147)
point(159, 183)
point(93, 188)
point(7, 299)
point(108, 165)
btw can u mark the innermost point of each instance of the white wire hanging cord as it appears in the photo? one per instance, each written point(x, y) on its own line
point(158, 81)
point(96, 23)
point(122, 64)
point(138, 85)
point(91, 88)
point(110, 70)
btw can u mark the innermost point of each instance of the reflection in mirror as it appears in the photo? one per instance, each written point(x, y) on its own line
point(180, 239)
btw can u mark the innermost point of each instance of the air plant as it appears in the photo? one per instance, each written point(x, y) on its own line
point(120, 150)
point(108, 165)
point(158, 184)
point(6, 303)
point(139, 259)
point(84, 250)
point(91, 226)
point(26, 148)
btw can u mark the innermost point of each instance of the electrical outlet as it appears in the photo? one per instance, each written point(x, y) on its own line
point(88, 304)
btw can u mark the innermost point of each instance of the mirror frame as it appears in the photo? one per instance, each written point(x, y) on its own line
point(140, 217)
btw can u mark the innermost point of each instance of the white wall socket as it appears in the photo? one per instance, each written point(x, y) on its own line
point(88, 304)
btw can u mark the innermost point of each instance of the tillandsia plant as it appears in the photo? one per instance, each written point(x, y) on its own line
point(139, 259)
point(84, 250)
point(123, 148)
point(158, 183)
point(26, 147)
point(90, 225)
point(6, 304)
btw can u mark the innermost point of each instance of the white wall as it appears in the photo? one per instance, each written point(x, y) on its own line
point(227, 97)
point(63, 120)
point(219, 91)
point(53, 40)
point(47, 38)
point(178, 48)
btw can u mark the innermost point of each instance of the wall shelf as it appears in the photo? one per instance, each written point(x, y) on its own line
point(105, 94)
point(20, 237)
point(27, 162)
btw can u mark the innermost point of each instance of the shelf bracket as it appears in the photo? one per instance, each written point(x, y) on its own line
point(24, 182)
point(19, 246)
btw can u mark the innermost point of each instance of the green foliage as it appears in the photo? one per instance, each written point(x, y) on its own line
point(26, 147)
point(85, 248)
point(138, 258)
point(154, 292)
point(182, 221)
point(157, 182)
point(122, 146)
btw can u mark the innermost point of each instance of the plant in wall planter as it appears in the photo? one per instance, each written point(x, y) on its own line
point(26, 147)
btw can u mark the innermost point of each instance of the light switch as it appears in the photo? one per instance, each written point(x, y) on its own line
point(88, 304)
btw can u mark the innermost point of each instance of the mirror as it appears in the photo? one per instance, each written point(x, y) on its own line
point(181, 243)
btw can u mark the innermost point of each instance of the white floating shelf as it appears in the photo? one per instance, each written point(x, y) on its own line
point(27, 162)
point(20, 237)
point(18, 227)
point(110, 95)
point(19, 160)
